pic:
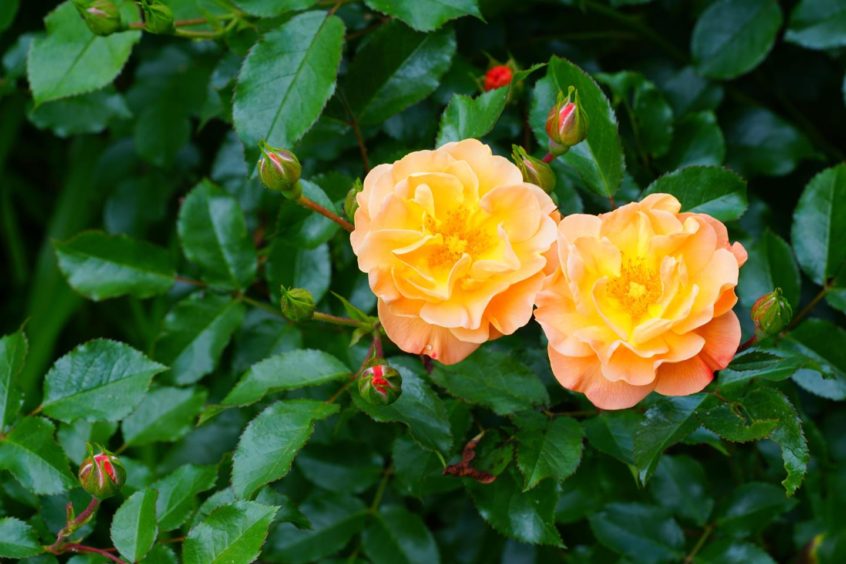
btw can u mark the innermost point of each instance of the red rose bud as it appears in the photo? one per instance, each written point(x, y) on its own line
point(297, 304)
point(535, 171)
point(380, 384)
point(101, 16)
point(351, 202)
point(280, 171)
point(102, 474)
point(566, 124)
point(497, 77)
point(771, 313)
point(158, 17)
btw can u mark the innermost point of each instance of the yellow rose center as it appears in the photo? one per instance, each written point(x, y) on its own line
point(461, 232)
point(637, 287)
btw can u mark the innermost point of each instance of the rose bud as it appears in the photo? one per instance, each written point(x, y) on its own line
point(380, 384)
point(497, 77)
point(297, 304)
point(101, 16)
point(771, 313)
point(102, 474)
point(280, 171)
point(158, 17)
point(566, 124)
point(351, 200)
point(534, 170)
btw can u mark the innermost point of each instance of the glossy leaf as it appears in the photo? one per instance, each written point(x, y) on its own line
point(547, 448)
point(760, 142)
point(32, 456)
point(86, 113)
point(134, 526)
point(715, 191)
point(817, 24)
point(680, 485)
point(164, 415)
point(824, 344)
point(427, 15)
point(819, 223)
point(271, 8)
point(13, 350)
point(399, 536)
point(728, 550)
point(697, 140)
point(17, 539)
point(178, 492)
point(232, 533)
point(750, 507)
point(467, 117)
point(771, 265)
point(642, 532)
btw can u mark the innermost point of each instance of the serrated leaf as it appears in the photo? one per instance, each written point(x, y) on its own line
point(612, 432)
point(728, 550)
point(823, 343)
point(31, 454)
point(697, 140)
point(286, 80)
point(419, 471)
point(232, 533)
point(751, 507)
point(680, 485)
point(300, 227)
point(295, 267)
point(712, 190)
point(733, 421)
point(644, 533)
point(396, 68)
point(100, 379)
point(17, 539)
point(178, 492)
point(134, 529)
point(771, 265)
point(71, 60)
point(164, 415)
point(761, 143)
point(399, 536)
point(731, 38)
point(426, 15)
point(214, 236)
point(272, 8)
point(13, 351)
point(494, 379)
point(343, 466)
point(272, 440)
point(101, 266)
point(547, 448)
point(817, 24)
point(467, 117)
point(83, 114)
point(194, 334)
point(774, 365)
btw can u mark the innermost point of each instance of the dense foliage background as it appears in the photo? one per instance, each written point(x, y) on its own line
point(152, 139)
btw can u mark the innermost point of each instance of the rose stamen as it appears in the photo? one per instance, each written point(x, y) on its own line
point(637, 287)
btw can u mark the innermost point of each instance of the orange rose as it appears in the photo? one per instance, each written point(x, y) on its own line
point(640, 300)
point(454, 244)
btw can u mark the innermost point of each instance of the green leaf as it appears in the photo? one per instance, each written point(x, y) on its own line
point(161, 554)
point(774, 365)
point(343, 466)
point(680, 485)
point(17, 539)
point(751, 507)
point(697, 140)
point(334, 519)
point(467, 117)
point(771, 265)
point(419, 471)
point(426, 15)
point(668, 421)
point(762, 143)
point(214, 236)
point(644, 533)
point(295, 267)
point(528, 517)
point(612, 432)
point(178, 492)
point(86, 113)
point(395, 69)
point(494, 379)
point(286, 371)
point(8, 11)
point(733, 421)
point(164, 415)
point(819, 225)
point(71, 60)
point(399, 536)
point(287, 79)
point(418, 407)
point(726, 551)
point(272, 8)
point(272, 440)
point(194, 334)
point(817, 24)
point(232, 533)
point(101, 266)
point(547, 448)
point(599, 159)
point(31, 454)
point(13, 350)
point(100, 379)
point(712, 190)
point(134, 527)
point(823, 343)
point(732, 38)
point(302, 228)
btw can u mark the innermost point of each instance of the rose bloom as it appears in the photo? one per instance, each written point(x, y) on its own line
point(454, 243)
point(641, 299)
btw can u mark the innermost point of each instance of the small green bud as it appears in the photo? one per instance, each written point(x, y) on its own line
point(280, 171)
point(297, 304)
point(158, 17)
point(771, 313)
point(351, 202)
point(101, 16)
point(534, 170)
point(567, 123)
point(101, 474)
point(379, 384)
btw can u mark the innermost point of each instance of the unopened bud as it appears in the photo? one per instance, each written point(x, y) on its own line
point(351, 202)
point(379, 384)
point(567, 123)
point(498, 76)
point(101, 474)
point(280, 171)
point(101, 16)
point(771, 313)
point(297, 304)
point(534, 170)
point(158, 17)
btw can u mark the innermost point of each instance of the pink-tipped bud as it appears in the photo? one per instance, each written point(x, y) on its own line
point(379, 384)
point(101, 474)
point(535, 171)
point(101, 16)
point(280, 171)
point(771, 313)
point(566, 123)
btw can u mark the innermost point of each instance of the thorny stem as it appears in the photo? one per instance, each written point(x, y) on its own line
point(58, 545)
point(699, 544)
point(82, 548)
point(314, 206)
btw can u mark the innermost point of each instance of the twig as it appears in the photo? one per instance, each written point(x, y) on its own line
point(314, 206)
point(82, 548)
point(699, 544)
point(337, 320)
